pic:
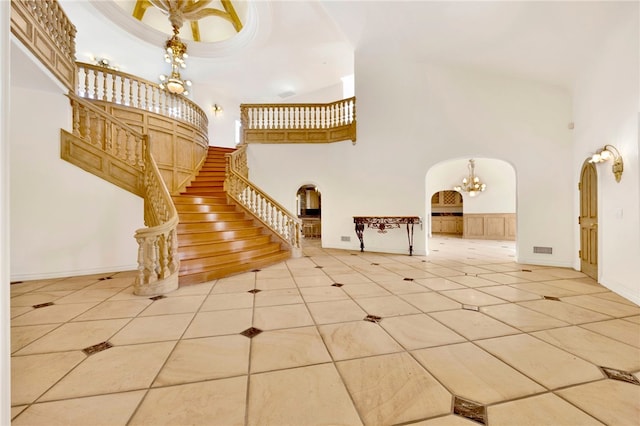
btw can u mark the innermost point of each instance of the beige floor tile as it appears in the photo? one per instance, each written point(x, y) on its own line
point(472, 281)
point(503, 278)
point(565, 311)
point(400, 286)
point(233, 286)
point(357, 339)
point(102, 410)
point(510, 294)
point(546, 409)
point(594, 347)
point(74, 284)
point(634, 319)
point(117, 369)
point(16, 311)
point(532, 274)
point(218, 323)
point(350, 279)
point(201, 289)
point(75, 336)
point(17, 410)
point(52, 314)
point(543, 289)
point(26, 286)
point(604, 306)
point(473, 325)
point(285, 316)
point(22, 336)
point(220, 402)
point(619, 408)
point(152, 329)
point(419, 331)
point(522, 318)
point(390, 389)
point(609, 295)
point(275, 283)
point(439, 284)
point(336, 311)
point(288, 296)
point(323, 294)
point(544, 363)
point(386, 306)
point(471, 296)
point(364, 290)
point(205, 358)
point(623, 331)
point(577, 286)
point(88, 295)
point(115, 309)
point(431, 302)
point(32, 375)
point(450, 420)
point(294, 396)
point(127, 294)
point(281, 271)
point(445, 272)
point(173, 305)
point(313, 281)
point(220, 302)
point(471, 373)
point(288, 348)
point(38, 297)
point(115, 282)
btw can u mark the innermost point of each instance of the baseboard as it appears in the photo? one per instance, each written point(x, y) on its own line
point(543, 262)
point(74, 273)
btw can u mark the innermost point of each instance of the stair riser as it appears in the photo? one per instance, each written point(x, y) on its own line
point(199, 265)
point(205, 208)
point(193, 200)
point(186, 240)
point(227, 270)
point(210, 217)
point(212, 249)
point(185, 228)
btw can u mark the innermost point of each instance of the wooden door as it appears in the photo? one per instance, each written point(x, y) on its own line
point(589, 220)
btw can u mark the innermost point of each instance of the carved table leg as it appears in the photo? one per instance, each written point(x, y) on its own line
point(359, 233)
point(410, 237)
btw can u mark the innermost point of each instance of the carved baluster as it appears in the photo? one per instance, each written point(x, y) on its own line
point(164, 257)
point(140, 278)
point(86, 125)
point(153, 259)
point(76, 118)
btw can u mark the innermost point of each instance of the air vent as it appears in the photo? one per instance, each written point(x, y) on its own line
point(345, 238)
point(543, 250)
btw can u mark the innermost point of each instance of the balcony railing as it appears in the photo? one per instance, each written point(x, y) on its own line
point(299, 123)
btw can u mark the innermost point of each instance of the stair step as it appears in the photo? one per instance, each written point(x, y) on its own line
point(194, 199)
point(205, 263)
point(205, 208)
point(194, 238)
point(209, 248)
point(221, 271)
point(187, 228)
point(190, 217)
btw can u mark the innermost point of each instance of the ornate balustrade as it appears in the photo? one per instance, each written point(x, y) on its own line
point(104, 145)
point(105, 84)
point(299, 123)
point(273, 215)
point(43, 27)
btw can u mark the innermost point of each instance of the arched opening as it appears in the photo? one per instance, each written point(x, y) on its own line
point(309, 209)
point(486, 215)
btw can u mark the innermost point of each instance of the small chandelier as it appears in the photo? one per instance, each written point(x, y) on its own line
point(609, 152)
point(175, 54)
point(471, 184)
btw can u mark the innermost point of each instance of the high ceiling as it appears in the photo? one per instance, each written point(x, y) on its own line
point(303, 46)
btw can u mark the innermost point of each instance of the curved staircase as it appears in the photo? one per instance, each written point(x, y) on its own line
point(216, 238)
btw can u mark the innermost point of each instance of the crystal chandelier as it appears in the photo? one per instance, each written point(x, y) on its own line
point(471, 184)
point(175, 54)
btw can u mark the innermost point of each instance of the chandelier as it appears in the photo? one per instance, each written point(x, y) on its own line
point(471, 184)
point(175, 54)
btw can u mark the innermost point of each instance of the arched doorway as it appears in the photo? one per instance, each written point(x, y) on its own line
point(309, 209)
point(589, 220)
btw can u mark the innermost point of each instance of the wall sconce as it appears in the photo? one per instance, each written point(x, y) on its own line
point(609, 152)
point(217, 109)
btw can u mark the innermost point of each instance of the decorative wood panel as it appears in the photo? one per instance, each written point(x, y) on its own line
point(490, 226)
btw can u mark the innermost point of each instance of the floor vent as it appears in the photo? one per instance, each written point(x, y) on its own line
point(543, 250)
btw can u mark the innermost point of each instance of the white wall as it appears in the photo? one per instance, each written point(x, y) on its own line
point(606, 105)
point(413, 116)
point(63, 220)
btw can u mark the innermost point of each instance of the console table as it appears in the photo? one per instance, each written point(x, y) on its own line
point(382, 223)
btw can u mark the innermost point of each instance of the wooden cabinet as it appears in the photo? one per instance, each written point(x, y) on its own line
point(446, 224)
point(446, 199)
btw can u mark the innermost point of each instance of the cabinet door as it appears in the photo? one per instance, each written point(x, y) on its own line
point(436, 225)
point(459, 225)
point(449, 225)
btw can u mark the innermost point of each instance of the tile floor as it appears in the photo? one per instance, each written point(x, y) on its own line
point(464, 336)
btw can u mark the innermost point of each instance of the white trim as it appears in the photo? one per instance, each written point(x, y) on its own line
point(73, 273)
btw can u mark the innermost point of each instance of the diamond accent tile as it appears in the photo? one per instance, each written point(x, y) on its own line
point(319, 267)
point(471, 308)
point(16, 282)
point(373, 318)
point(154, 298)
point(336, 285)
point(470, 410)
point(375, 264)
point(408, 279)
point(256, 270)
point(97, 348)
point(254, 291)
point(105, 278)
point(42, 305)
point(251, 332)
point(623, 376)
point(526, 270)
point(551, 298)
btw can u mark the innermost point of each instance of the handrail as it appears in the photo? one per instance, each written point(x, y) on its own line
point(300, 117)
point(44, 28)
point(271, 213)
point(105, 84)
point(102, 130)
point(158, 262)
